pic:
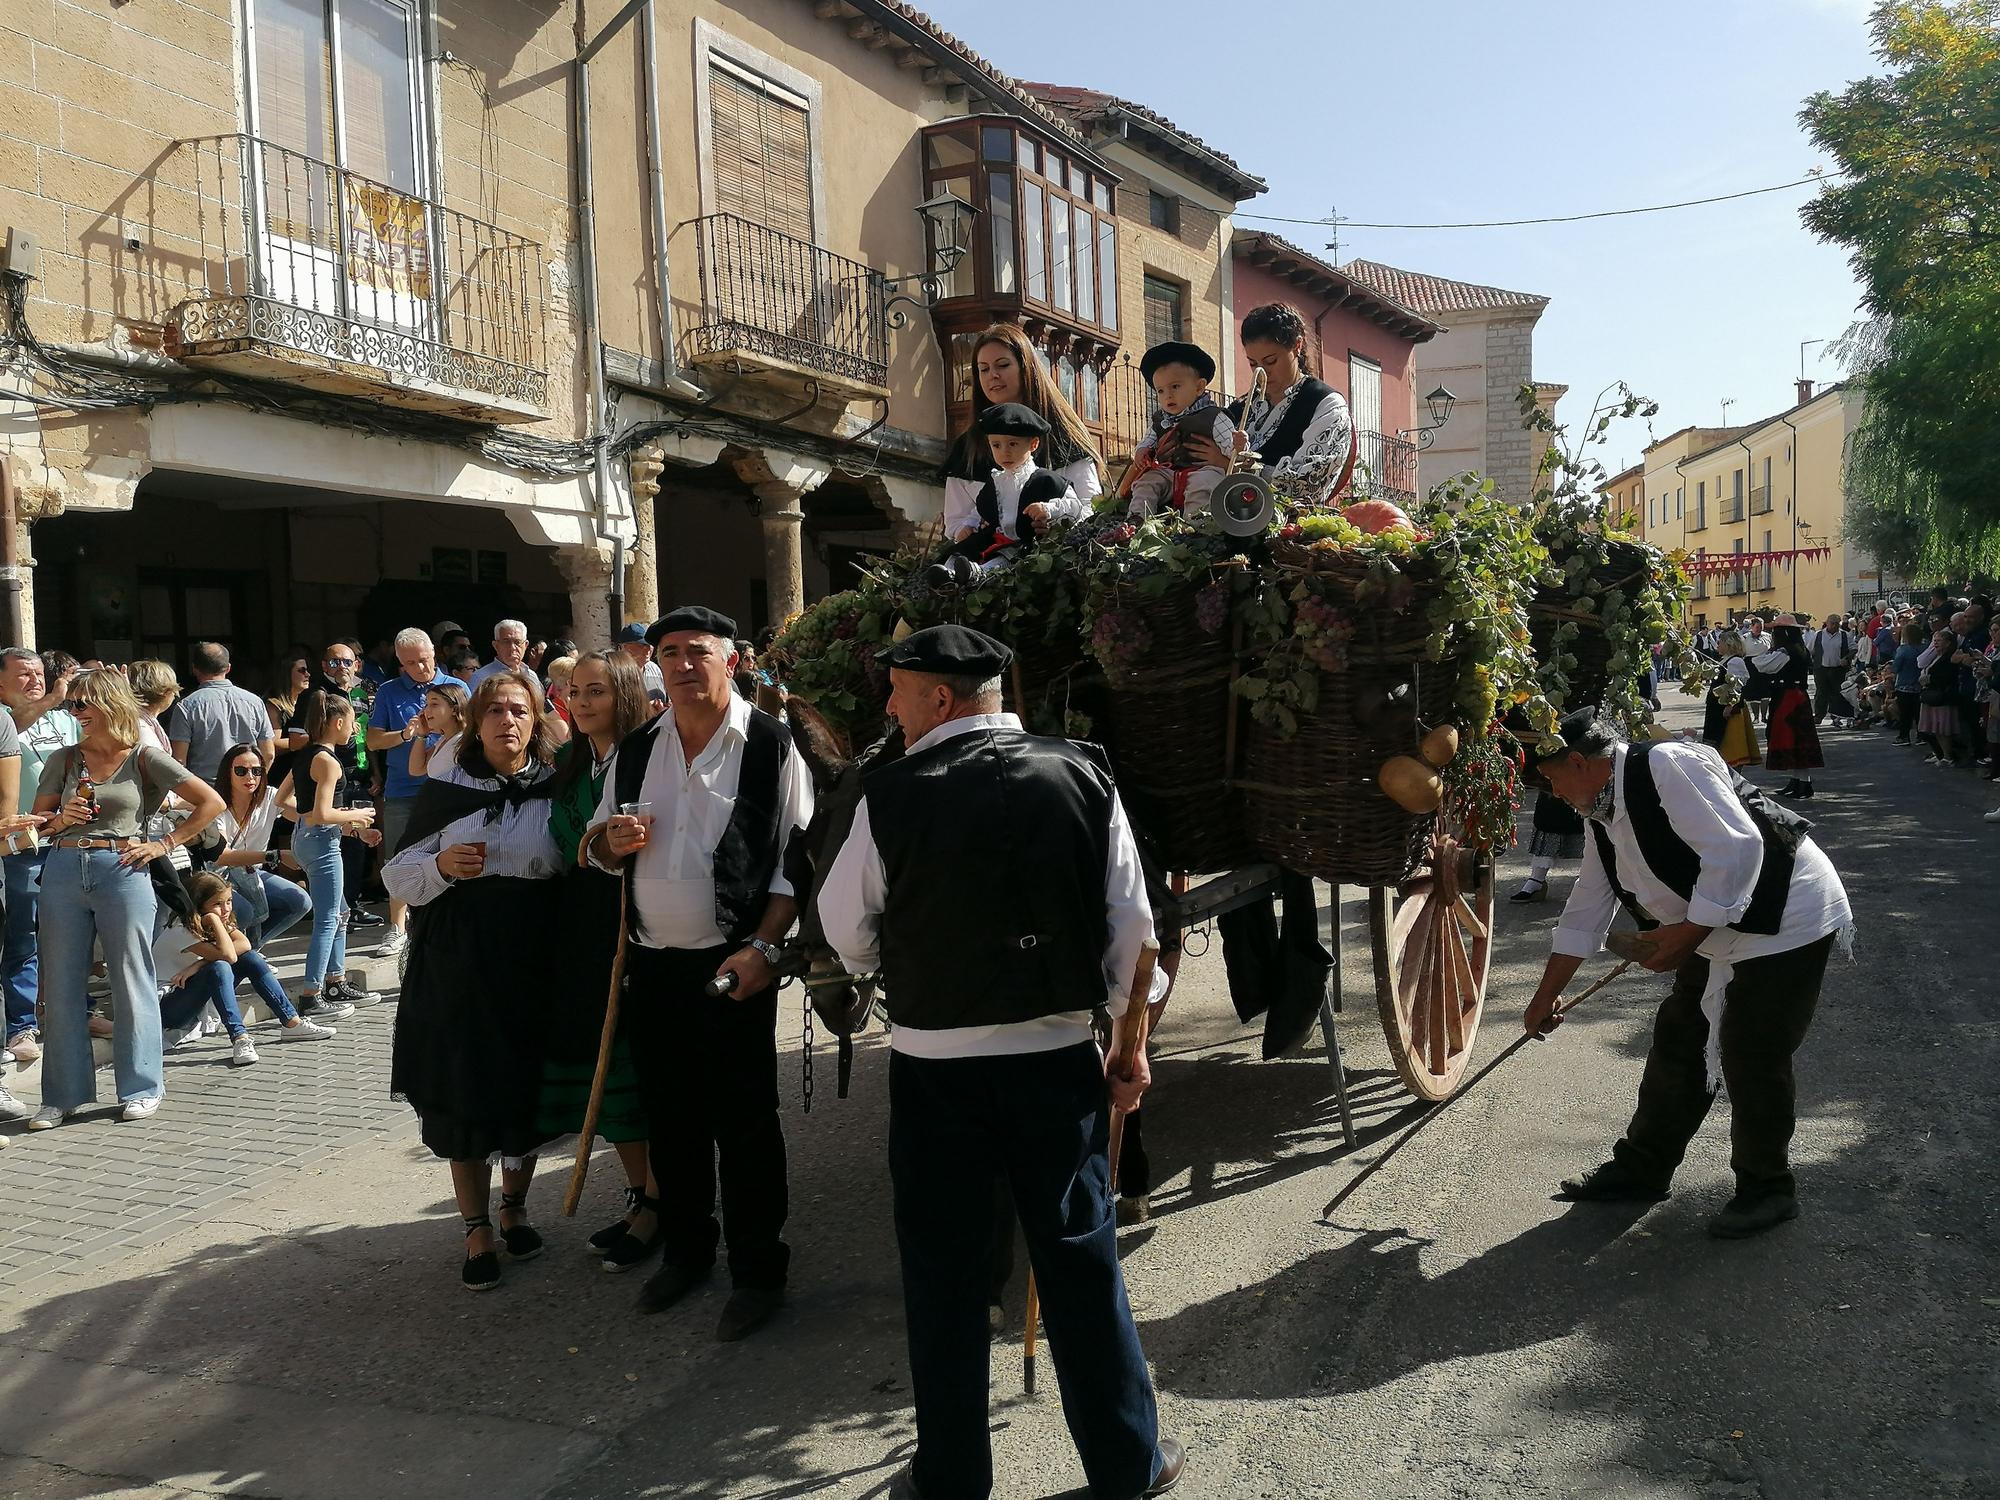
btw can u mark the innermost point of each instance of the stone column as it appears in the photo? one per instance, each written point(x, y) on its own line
point(780, 482)
point(587, 571)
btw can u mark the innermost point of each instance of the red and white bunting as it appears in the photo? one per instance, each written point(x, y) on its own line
point(1701, 564)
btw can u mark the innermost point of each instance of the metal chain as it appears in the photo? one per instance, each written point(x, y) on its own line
point(806, 991)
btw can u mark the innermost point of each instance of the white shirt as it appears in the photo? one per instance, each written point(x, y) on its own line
point(1757, 643)
point(254, 832)
point(857, 889)
point(1829, 648)
point(170, 952)
point(517, 844)
point(1697, 796)
point(1310, 474)
point(961, 497)
point(673, 876)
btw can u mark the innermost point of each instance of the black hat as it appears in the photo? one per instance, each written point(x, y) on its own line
point(691, 617)
point(1175, 352)
point(948, 651)
point(1012, 419)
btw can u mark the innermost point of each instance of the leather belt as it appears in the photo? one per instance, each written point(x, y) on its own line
point(96, 843)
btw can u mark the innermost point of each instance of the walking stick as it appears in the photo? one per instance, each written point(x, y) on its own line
point(581, 1168)
point(1127, 1039)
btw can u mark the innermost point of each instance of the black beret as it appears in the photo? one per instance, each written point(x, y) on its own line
point(948, 651)
point(1012, 419)
point(691, 617)
point(1174, 352)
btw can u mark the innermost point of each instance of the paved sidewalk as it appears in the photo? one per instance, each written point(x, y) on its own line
point(81, 1197)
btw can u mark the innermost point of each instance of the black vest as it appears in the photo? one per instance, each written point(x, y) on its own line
point(994, 844)
point(747, 857)
point(1292, 426)
point(1042, 486)
point(1670, 858)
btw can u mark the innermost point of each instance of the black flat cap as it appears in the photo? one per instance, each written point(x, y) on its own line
point(1012, 419)
point(948, 651)
point(691, 617)
point(1175, 352)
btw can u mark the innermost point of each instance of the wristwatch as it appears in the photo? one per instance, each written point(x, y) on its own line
point(271, 859)
point(770, 952)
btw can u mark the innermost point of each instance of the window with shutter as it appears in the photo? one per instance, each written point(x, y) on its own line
point(761, 141)
point(1166, 310)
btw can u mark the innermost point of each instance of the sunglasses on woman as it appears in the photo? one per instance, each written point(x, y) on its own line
point(76, 705)
point(246, 770)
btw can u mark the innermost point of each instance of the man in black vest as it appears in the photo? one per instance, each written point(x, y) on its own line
point(994, 948)
point(701, 804)
point(1742, 909)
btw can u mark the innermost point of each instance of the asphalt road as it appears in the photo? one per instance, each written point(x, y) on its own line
point(1451, 1332)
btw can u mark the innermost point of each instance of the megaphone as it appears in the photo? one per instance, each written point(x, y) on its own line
point(1242, 504)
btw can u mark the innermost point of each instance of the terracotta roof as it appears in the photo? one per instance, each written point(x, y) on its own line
point(1437, 294)
point(1092, 111)
point(1282, 258)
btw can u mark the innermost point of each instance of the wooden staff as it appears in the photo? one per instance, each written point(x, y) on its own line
point(1127, 1039)
point(581, 1168)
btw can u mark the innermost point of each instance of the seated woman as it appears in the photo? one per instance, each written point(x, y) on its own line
point(1019, 498)
point(201, 961)
point(1004, 369)
point(267, 903)
point(475, 868)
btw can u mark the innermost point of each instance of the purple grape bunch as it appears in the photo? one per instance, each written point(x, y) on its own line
point(1118, 639)
point(1325, 632)
point(1211, 607)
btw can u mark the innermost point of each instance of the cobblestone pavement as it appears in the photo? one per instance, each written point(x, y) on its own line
point(293, 1326)
point(82, 1197)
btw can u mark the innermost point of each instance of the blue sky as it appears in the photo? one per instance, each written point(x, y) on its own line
point(1452, 110)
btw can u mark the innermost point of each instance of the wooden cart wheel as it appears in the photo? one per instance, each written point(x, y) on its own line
point(1433, 941)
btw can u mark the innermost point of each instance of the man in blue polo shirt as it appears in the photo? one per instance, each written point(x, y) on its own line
point(392, 724)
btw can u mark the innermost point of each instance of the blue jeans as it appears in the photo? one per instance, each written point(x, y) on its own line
point(215, 984)
point(288, 905)
point(317, 848)
point(24, 889)
point(89, 897)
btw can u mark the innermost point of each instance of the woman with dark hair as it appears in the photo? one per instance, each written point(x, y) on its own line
point(1299, 428)
point(1004, 369)
point(320, 797)
point(607, 698)
point(474, 868)
point(298, 669)
point(1782, 674)
point(267, 904)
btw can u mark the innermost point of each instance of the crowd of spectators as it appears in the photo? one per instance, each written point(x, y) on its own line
point(161, 828)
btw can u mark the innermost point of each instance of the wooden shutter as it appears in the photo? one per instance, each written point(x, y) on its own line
point(1165, 316)
point(761, 140)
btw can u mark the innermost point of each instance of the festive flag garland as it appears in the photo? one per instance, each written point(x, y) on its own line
point(1702, 564)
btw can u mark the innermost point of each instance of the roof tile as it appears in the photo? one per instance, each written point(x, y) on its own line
point(1436, 294)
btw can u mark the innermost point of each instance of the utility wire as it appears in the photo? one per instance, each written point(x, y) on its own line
point(1607, 213)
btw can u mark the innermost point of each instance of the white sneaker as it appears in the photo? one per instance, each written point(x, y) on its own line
point(305, 1031)
point(47, 1118)
point(393, 944)
point(143, 1109)
point(242, 1053)
point(12, 1108)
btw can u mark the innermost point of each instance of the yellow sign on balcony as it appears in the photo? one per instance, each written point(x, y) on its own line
point(388, 241)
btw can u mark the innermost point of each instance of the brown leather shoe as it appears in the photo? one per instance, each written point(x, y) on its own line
point(1173, 1459)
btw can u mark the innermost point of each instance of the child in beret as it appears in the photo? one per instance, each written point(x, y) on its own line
point(1163, 474)
point(1019, 498)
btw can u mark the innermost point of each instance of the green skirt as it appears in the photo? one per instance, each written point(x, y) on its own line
point(566, 1095)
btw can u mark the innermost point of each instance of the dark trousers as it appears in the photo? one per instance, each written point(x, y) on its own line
point(1135, 1178)
point(708, 1075)
point(1907, 706)
point(1827, 694)
point(1041, 1120)
point(1766, 1010)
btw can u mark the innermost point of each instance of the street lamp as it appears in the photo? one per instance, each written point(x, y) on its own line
point(948, 238)
point(1439, 403)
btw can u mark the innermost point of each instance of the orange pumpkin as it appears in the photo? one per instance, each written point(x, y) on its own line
point(1378, 515)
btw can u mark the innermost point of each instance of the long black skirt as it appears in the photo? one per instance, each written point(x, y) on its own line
point(475, 997)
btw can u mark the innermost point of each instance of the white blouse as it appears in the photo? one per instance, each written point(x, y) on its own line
point(1310, 474)
point(961, 497)
point(518, 843)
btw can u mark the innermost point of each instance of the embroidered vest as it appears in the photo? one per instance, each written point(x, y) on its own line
point(747, 855)
point(1292, 426)
point(1670, 858)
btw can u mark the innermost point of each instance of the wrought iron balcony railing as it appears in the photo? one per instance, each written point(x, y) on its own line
point(773, 296)
point(1385, 468)
point(310, 273)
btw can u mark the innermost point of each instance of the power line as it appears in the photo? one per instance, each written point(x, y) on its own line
point(1608, 213)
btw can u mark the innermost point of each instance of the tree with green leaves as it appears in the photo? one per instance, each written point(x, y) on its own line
point(1917, 199)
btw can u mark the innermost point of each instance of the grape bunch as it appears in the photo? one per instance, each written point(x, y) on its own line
point(1324, 631)
point(1211, 607)
point(1118, 639)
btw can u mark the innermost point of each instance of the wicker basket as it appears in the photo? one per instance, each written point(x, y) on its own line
point(1168, 734)
point(1311, 800)
point(1553, 607)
